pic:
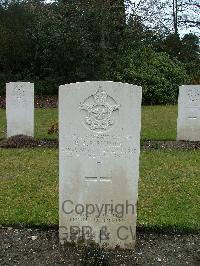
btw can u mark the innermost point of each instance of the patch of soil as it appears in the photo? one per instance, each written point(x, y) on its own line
point(173, 145)
point(46, 101)
point(2, 102)
point(22, 141)
point(40, 101)
point(40, 247)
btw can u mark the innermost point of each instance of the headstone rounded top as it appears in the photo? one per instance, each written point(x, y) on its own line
point(99, 147)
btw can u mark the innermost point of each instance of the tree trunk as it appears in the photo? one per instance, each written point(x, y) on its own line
point(175, 16)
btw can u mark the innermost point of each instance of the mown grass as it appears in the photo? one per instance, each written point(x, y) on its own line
point(44, 118)
point(168, 190)
point(28, 186)
point(158, 122)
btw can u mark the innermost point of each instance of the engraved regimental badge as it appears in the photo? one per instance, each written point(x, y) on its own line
point(100, 111)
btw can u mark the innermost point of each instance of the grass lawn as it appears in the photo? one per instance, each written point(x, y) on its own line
point(44, 118)
point(168, 190)
point(158, 122)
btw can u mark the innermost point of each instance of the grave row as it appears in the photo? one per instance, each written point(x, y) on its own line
point(99, 148)
point(20, 108)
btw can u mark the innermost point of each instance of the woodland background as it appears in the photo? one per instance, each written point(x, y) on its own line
point(143, 43)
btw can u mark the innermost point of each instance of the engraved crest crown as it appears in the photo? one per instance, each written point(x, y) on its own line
point(100, 97)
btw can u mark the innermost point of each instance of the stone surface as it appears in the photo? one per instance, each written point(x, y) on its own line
point(188, 122)
point(20, 108)
point(99, 147)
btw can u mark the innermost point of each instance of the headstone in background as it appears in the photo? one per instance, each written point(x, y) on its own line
point(188, 123)
point(20, 108)
point(99, 147)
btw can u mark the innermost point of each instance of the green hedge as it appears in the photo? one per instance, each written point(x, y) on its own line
point(159, 76)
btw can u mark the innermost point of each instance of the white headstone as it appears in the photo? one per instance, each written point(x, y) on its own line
point(20, 108)
point(99, 147)
point(188, 123)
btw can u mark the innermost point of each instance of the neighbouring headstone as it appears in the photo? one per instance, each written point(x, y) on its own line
point(188, 122)
point(99, 147)
point(20, 108)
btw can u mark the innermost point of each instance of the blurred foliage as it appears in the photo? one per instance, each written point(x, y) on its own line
point(68, 41)
point(158, 75)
